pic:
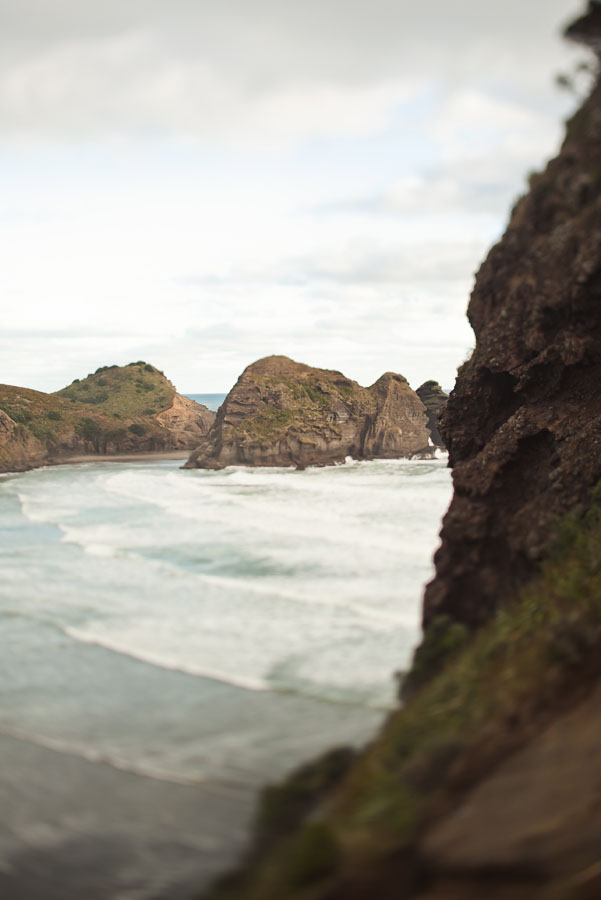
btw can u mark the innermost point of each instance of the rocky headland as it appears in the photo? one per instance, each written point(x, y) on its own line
point(284, 413)
point(116, 410)
point(486, 783)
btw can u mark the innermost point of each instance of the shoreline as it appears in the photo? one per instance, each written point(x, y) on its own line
point(147, 456)
point(165, 455)
point(94, 831)
point(120, 457)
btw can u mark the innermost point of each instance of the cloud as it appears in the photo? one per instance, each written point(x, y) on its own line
point(486, 145)
point(146, 220)
point(266, 71)
point(362, 263)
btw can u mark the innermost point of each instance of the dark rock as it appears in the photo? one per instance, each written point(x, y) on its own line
point(523, 423)
point(435, 400)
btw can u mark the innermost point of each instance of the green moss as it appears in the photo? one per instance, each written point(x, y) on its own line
point(302, 404)
point(443, 640)
point(282, 806)
point(268, 424)
point(313, 855)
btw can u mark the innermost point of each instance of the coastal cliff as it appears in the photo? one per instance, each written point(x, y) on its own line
point(284, 413)
point(523, 423)
point(486, 783)
point(117, 409)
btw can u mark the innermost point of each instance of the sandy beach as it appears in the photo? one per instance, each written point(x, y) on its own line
point(73, 828)
point(122, 457)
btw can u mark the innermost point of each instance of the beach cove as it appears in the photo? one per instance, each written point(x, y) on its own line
point(176, 639)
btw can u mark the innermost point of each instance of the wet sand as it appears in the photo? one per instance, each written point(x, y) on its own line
point(122, 457)
point(76, 829)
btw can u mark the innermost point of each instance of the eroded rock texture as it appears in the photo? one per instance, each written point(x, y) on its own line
point(434, 399)
point(19, 449)
point(284, 413)
point(186, 421)
point(523, 424)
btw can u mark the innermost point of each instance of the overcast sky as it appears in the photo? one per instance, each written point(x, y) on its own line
point(200, 183)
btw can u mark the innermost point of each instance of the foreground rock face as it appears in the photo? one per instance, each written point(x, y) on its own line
point(536, 814)
point(523, 424)
point(435, 400)
point(284, 413)
point(117, 409)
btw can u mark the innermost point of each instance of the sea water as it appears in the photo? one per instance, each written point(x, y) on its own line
point(194, 625)
point(211, 401)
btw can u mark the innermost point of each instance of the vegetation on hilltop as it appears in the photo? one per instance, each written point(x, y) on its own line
point(137, 389)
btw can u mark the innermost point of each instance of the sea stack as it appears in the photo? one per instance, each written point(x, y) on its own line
point(284, 413)
point(434, 399)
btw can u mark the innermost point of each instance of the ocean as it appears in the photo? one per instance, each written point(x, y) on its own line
point(195, 629)
point(211, 401)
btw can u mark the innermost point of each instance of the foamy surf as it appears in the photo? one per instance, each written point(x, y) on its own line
point(181, 622)
point(96, 756)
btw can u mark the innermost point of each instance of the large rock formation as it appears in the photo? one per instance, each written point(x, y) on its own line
point(523, 424)
point(127, 409)
point(284, 413)
point(435, 400)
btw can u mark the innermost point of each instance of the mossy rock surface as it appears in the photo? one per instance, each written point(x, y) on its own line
point(285, 413)
point(489, 696)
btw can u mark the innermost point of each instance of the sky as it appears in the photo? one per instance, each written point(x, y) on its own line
point(200, 184)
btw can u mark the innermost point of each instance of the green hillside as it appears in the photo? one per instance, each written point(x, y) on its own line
point(113, 410)
point(51, 418)
point(137, 389)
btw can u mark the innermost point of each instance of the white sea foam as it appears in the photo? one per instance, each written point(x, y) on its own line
point(92, 755)
point(163, 660)
point(305, 584)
